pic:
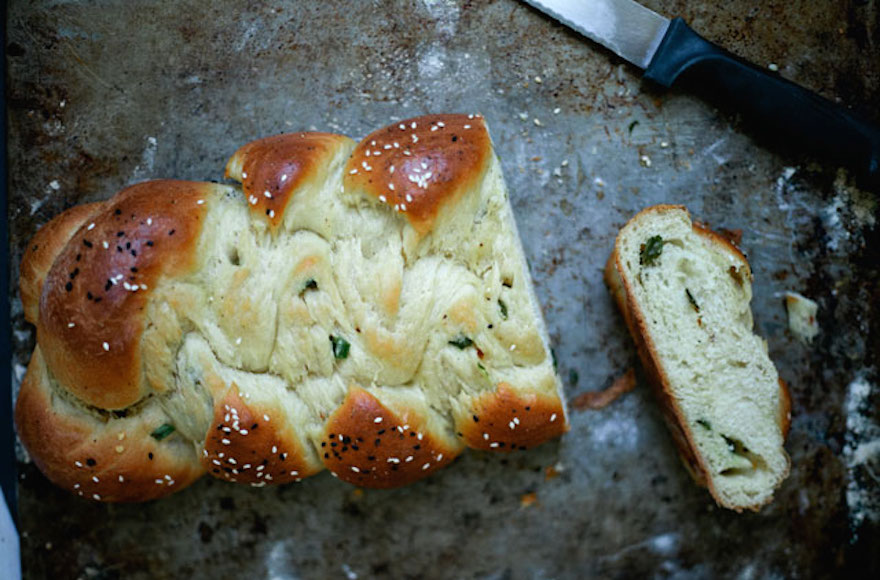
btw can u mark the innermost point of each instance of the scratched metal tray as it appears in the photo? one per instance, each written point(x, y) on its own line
point(104, 94)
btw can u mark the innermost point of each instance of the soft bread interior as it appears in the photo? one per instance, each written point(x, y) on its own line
point(692, 292)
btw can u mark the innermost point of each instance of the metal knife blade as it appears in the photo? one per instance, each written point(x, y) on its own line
point(623, 26)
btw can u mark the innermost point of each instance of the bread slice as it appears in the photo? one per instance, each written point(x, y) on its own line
point(364, 308)
point(685, 292)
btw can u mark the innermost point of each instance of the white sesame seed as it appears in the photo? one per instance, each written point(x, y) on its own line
point(71, 324)
point(426, 466)
point(391, 169)
point(91, 226)
point(274, 449)
point(409, 198)
point(373, 142)
point(269, 477)
point(393, 460)
point(76, 486)
point(512, 425)
point(77, 463)
point(238, 340)
point(410, 458)
point(105, 244)
point(95, 479)
point(225, 441)
point(413, 125)
point(516, 420)
point(200, 202)
point(268, 194)
point(265, 417)
point(353, 171)
point(382, 198)
point(271, 213)
point(387, 146)
point(493, 445)
point(512, 347)
point(121, 479)
point(537, 122)
point(283, 177)
point(294, 473)
point(106, 346)
point(377, 420)
point(149, 221)
point(232, 461)
point(216, 462)
point(391, 186)
point(221, 455)
point(467, 126)
point(557, 110)
point(396, 145)
point(355, 469)
point(243, 175)
point(470, 116)
point(419, 436)
point(368, 153)
point(168, 477)
point(261, 467)
point(402, 127)
point(486, 436)
point(406, 152)
point(440, 457)
point(204, 451)
point(552, 417)
point(403, 207)
point(415, 138)
point(96, 496)
point(160, 481)
point(434, 127)
point(253, 199)
point(538, 80)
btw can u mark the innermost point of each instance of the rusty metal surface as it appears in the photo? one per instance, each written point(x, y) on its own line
point(104, 94)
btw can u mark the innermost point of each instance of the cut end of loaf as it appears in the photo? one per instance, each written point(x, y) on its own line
point(685, 294)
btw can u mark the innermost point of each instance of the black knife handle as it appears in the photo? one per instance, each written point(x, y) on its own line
point(781, 109)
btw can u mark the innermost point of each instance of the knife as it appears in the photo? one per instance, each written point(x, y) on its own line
point(671, 53)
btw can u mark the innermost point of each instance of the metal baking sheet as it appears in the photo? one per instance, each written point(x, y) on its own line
point(105, 94)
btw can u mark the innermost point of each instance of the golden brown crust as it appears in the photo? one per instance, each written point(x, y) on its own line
point(42, 250)
point(271, 169)
point(108, 458)
point(506, 420)
point(420, 165)
point(367, 444)
point(250, 444)
point(90, 319)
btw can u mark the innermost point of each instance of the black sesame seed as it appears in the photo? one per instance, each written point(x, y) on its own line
point(134, 253)
point(150, 455)
point(171, 233)
point(91, 462)
point(381, 431)
point(254, 426)
point(89, 295)
point(68, 286)
point(333, 444)
point(78, 257)
point(118, 248)
point(120, 234)
point(150, 243)
point(87, 243)
point(127, 245)
point(323, 444)
point(528, 408)
point(355, 447)
point(133, 269)
point(376, 442)
point(108, 285)
point(326, 456)
point(117, 212)
point(417, 447)
point(97, 300)
point(476, 419)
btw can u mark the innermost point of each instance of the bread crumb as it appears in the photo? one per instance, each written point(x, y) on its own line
point(802, 317)
point(528, 499)
point(599, 399)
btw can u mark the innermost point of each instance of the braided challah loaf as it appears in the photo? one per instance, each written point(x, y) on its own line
point(364, 307)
